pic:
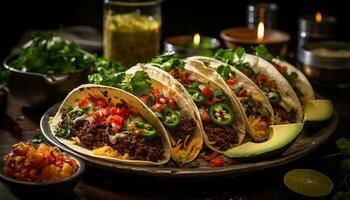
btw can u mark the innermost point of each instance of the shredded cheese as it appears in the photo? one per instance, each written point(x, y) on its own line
point(260, 127)
point(75, 140)
point(106, 151)
point(188, 152)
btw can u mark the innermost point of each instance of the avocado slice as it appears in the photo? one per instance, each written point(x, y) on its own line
point(280, 136)
point(318, 110)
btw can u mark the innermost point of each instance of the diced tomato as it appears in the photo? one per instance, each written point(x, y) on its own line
point(25, 173)
point(218, 161)
point(163, 100)
point(123, 111)
point(232, 81)
point(156, 92)
point(101, 103)
point(175, 72)
point(158, 107)
point(8, 171)
point(207, 91)
point(204, 115)
point(171, 102)
point(144, 99)
point(187, 76)
point(83, 103)
point(102, 112)
point(115, 127)
point(109, 120)
point(260, 80)
point(62, 159)
point(113, 111)
point(118, 120)
point(214, 101)
point(98, 119)
point(242, 93)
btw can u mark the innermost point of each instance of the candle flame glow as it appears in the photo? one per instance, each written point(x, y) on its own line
point(261, 31)
point(318, 17)
point(196, 39)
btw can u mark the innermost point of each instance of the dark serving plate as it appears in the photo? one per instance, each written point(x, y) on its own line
point(307, 141)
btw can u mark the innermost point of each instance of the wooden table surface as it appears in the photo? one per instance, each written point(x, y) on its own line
point(101, 184)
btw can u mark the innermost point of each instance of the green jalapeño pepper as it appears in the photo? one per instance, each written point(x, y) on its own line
point(148, 130)
point(221, 114)
point(274, 97)
point(171, 119)
point(197, 96)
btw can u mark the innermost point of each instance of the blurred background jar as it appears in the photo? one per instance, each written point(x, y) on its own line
point(131, 32)
point(262, 12)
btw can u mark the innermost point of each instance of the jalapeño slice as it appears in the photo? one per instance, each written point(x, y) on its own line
point(197, 96)
point(171, 119)
point(221, 114)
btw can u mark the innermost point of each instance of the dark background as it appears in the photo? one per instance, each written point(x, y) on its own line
point(179, 16)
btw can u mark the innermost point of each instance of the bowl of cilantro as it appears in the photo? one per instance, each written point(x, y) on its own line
point(46, 69)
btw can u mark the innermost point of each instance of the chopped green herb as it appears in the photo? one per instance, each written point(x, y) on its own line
point(140, 83)
point(52, 56)
point(38, 137)
point(217, 92)
point(193, 164)
point(225, 72)
point(168, 62)
point(262, 52)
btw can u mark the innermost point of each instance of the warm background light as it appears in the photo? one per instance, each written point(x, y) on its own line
point(196, 39)
point(261, 31)
point(318, 17)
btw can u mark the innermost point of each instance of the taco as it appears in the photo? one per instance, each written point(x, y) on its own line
point(177, 115)
point(221, 115)
point(284, 101)
point(107, 123)
point(257, 108)
point(295, 77)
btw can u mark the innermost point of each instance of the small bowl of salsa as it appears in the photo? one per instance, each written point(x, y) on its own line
point(40, 171)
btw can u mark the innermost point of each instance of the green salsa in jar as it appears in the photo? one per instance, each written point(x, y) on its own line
point(132, 31)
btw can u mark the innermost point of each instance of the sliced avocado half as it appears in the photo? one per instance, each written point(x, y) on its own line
point(279, 137)
point(318, 110)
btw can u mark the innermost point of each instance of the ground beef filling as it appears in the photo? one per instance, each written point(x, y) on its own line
point(138, 148)
point(223, 136)
point(283, 116)
point(185, 129)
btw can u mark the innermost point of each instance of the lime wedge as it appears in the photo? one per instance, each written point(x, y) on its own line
point(308, 182)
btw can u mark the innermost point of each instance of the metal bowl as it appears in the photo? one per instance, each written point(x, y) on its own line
point(39, 90)
point(328, 71)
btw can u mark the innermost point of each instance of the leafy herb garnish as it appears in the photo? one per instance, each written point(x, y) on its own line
point(168, 62)
point(140, 83)
point(225, 72)
point(227, 56)
point(52, 56)
point(38, 137)
point(262, 52)
point(109, 74)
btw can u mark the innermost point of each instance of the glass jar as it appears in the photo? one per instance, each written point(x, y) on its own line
point(131, 32)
